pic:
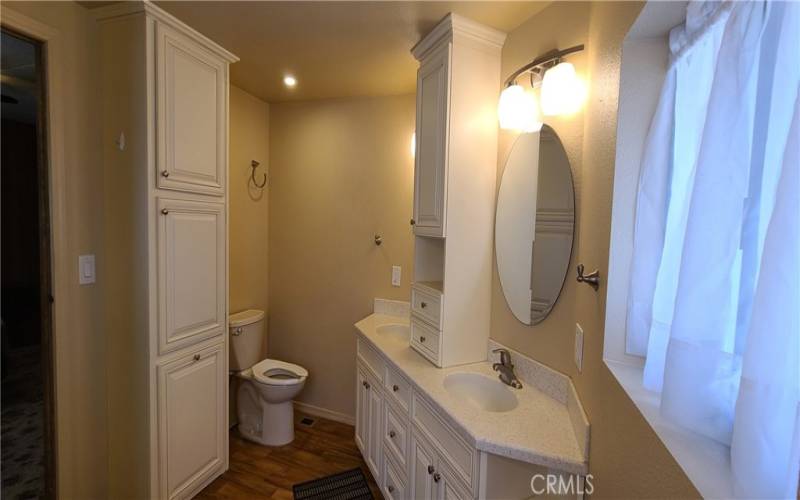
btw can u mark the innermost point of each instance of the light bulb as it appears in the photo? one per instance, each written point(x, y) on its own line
point(289, 81)
point(562, 91)
point(517, 110)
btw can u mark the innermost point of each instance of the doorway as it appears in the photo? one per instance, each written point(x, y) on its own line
point(27, 441)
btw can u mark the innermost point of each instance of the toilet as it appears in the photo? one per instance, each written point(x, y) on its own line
point(267, 387)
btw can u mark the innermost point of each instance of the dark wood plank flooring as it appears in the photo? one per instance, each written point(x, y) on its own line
point(257, 471)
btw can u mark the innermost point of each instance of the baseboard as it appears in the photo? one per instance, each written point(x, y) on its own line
point(324, 413)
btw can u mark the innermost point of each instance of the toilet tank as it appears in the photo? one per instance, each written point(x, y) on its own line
point(246, 330)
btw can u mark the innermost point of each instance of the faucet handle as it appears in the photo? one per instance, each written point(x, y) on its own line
point(505, 356)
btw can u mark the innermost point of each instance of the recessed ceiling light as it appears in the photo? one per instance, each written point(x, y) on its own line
point(289, 81)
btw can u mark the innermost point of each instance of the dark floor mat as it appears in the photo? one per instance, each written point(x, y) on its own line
point(347, 485)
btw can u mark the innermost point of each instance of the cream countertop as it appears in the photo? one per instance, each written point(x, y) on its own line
point(538, 431)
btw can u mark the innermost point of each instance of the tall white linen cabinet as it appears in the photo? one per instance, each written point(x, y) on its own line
point(163, 94)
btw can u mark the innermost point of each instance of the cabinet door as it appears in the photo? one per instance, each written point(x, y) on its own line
point(191, 114)
point(191, 269)
point(431, 156)
point(449, 487)
point(192, 433)
point(423, 466)
point(375, 441)
point(362, 412)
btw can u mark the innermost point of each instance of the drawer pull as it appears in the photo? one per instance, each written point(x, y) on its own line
point(164, 211)
point(437, 477)
point(390, 488)
point(197, 357)
point(395, 388)
point(431, 470)
point(422, 339)
point(164, 173)
point(392, 434)
point(237, 331)
point(423, 305)
point(412, 222)
point(365, 384)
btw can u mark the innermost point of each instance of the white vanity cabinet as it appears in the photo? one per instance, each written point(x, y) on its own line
point(165, 132)
point(458, 84)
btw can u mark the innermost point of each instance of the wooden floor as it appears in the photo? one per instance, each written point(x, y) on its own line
point(269, 472)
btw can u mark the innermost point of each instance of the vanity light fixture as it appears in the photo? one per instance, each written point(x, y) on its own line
point(561, 91)
point(290, 81)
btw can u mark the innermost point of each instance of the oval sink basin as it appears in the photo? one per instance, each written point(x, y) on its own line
point(395, 330)
point(481, 392)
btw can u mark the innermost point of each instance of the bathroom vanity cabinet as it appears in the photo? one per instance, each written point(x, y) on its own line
point(412, 449)
point(458, 83)
point(165, 149)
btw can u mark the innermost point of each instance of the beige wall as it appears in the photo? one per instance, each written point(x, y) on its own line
point(249, 216)
point(626, 457)
point(80, 342)
point(342, 171)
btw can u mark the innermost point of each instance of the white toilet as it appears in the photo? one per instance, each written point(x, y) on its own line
point(267, 387)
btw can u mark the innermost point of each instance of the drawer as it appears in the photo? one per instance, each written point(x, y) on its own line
point(372, 360)
point(395, 434)
point(461, 457)
point(394, 483)
point(427, 305)
point(398, 388)
point(426, 340)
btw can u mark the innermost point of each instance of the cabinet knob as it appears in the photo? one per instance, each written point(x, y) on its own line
point(164, 173)
point(365, 384)
point(164, 211)
point(237, 331)
point(395, 388)
point(431, 469)
point(422, 339)
point(390, 488)
point(197, 357)
point(423, 305)
point(437, 477)
point(412, 222)
point(392, 434)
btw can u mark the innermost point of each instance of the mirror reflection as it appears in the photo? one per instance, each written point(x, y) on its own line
point(534, 224)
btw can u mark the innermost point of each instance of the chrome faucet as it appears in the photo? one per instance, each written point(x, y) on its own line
point(506, 369)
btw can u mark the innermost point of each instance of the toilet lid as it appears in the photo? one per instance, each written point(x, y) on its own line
point(274, 372)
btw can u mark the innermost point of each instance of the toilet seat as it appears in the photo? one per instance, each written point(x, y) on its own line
point(275, 372)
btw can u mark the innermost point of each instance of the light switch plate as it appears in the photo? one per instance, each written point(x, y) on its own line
point(579, 347)
point(86, 269)
point(396, 275)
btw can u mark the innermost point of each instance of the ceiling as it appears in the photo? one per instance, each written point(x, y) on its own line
point(18, 79)
point(335, 49)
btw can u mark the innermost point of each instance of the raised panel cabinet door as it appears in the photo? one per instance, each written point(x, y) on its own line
point(191, 272)
point(192, 406)
point(431, 155)
point(362, 412)
point(191, 111)
point(423, 466)
point(375, 441)
point(449, 487)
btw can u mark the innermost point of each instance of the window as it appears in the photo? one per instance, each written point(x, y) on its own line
point(712, 303)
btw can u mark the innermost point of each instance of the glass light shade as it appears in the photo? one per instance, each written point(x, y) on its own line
point(517, 110)
point(562, 91)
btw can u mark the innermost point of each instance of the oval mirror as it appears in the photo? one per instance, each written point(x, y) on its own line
point(534, 224)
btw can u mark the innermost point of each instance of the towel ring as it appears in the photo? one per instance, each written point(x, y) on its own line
point(254, 165)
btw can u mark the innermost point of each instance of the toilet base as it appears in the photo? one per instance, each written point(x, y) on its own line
point(269, 424)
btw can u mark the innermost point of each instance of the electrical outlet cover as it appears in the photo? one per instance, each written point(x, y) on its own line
point(396, 275)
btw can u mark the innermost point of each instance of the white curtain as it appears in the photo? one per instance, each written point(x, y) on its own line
point(714, 302)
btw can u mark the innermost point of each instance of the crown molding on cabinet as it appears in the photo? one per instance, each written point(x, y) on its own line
point(453, 25)
point(124, 9)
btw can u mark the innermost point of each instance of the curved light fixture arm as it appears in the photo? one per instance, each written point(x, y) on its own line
point(542, 63)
